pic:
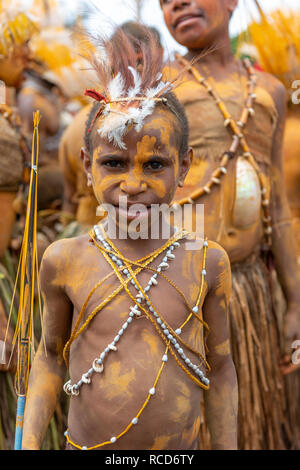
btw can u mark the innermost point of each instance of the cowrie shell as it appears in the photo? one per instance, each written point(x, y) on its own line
point(97, 367)
point(85, 379)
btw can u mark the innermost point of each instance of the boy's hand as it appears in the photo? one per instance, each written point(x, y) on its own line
point(291, 359)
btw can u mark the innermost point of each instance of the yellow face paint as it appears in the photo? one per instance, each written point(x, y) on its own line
point(114, 171)
point(166, 129)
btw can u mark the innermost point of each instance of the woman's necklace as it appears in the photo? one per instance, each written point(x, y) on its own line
point(238, 141)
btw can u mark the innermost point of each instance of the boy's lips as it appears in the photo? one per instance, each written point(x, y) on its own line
point(131, 212)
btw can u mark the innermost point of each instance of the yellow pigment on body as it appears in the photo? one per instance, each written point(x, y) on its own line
point(117, 384)
point(46, 387)
point(79, 276)
point(152, 341)
point(223, 349)
point(182, 406)
point(187, 265)
point(189, 436)
point(195, 336)
point(161, 442)
point(224, 281)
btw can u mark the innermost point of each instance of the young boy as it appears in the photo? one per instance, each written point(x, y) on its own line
point(133, 340)
point(236, 118)
point(79, 199)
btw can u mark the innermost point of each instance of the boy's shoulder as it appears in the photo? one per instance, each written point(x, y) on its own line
point(63, 250)
point(218, 268)
point(216, 259)
point(216, 253)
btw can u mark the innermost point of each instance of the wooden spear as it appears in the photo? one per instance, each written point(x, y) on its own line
point(28, 267)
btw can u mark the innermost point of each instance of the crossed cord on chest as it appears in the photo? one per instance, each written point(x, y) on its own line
point(171, 338)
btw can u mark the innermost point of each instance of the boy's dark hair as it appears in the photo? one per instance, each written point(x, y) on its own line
point(172, 104)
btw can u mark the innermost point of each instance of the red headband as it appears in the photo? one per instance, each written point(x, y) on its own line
point(97, 97)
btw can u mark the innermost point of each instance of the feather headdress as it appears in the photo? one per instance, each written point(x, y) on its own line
point(276, 39)
point(16, 26)
point(127, 90)
point(57, 60)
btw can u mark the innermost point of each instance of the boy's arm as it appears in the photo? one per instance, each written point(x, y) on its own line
point(221, 400)
point(283, 240)
point(48, 370)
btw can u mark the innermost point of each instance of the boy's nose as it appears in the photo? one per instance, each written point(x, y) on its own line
point(133, 186)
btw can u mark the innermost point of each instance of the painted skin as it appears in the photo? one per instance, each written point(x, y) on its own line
point(291, 166)
point(202, 25)
point(71, 268)
point(209, 139)
point(79, 199)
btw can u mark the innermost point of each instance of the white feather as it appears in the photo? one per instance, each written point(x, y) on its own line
point(115, 123)
point(114, 126)
point(145, 110)
point(135, 90)
point(116, 87)
point(148, 104)
point(152, 92)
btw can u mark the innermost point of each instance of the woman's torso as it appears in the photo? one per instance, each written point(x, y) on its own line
point(233, 215)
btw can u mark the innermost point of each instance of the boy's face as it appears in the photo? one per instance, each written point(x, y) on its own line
point(197, 24)
point(147, 172)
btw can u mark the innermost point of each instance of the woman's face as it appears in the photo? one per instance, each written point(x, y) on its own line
point(197, 24)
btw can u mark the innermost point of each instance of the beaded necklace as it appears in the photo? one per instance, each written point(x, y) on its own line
point(122, 266)
point(237, 141)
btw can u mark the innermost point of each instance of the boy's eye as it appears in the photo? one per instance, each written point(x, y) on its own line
point(113, 163)
point(154, 165)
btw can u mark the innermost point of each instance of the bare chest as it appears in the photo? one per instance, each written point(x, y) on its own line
point(136, 357)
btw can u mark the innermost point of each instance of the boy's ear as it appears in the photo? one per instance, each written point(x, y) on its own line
point(83, 153)
point(185, 165)
point(86, 165)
